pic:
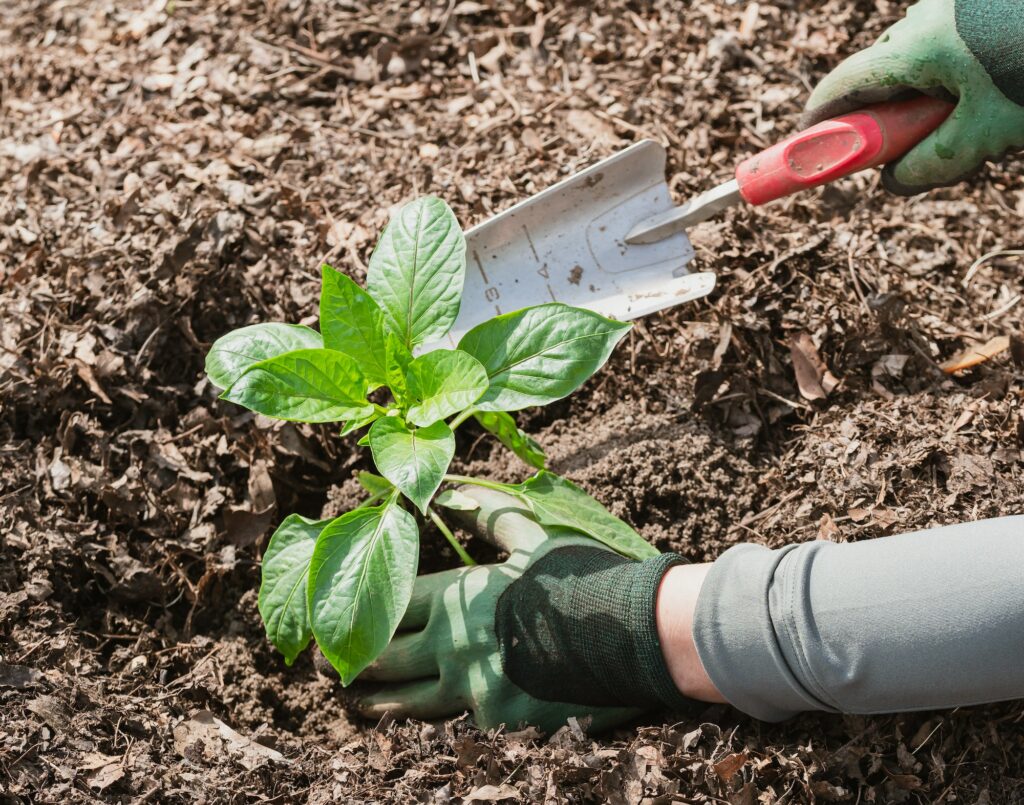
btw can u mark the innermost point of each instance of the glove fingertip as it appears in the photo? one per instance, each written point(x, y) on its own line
point(893, 185)
point(944, 158)
point(488, 501)
point(892, 182)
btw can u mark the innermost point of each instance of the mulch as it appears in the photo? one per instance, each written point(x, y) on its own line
point(171, 170)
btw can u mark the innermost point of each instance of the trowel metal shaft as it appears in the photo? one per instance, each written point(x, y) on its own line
point(873, 136)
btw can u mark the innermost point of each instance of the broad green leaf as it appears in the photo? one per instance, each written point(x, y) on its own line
point(307, 385)
point(360, 422)
point(558, 502)
point(442, 383)
point(417, 271)
point(413, 460)
point(353, 323)
point(233, 354)
point(503, 426)
point(360, 581)
point(457, 501)
point(282, 599)
point(540, 354)
point(399, 358)
point(374, 484)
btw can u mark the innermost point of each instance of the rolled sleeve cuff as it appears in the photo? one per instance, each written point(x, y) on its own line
point(737, 641)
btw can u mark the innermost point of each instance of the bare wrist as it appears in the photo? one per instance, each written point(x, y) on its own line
point(674, 611)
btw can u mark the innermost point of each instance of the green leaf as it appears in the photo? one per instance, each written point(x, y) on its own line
point(417, 271)
point(558, 502)
point(540, 354)
point(355, 424)
point(360, 582)
point(353, 323)
point(399, 358)
point(282, 599)
point(413, 460)
point(232, 355)
point(442, 383)
point(307, 385)
point(502, 425)
point(457, 501)
point(374, 484)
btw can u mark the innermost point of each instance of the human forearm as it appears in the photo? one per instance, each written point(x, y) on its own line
point(925, 620)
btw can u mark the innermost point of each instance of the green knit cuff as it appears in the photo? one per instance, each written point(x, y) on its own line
point(633, 658)
point(993, 30)
point(579, 627)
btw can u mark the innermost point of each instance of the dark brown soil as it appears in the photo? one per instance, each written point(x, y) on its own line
point(169, 171)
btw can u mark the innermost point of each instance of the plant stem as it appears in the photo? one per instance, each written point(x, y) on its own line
point(465, 557)
point(465, 479)
point(462, 417)
point(373, 499)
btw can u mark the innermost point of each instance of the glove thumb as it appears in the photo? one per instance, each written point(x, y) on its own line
point(874, 75)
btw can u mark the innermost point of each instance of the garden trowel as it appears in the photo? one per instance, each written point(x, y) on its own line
point(567, 244)
point(609, 238)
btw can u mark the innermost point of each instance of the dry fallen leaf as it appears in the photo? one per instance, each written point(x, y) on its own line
point(101, 771)
point(972, 356)
point(828, 531)
point(730, 765)
point(206, 737)
point(493, 793)
point(813, 377)
point(858, 514)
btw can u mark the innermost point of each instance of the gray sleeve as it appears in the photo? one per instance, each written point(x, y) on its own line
point(925, 620)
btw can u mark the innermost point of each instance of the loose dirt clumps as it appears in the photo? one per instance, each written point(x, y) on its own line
point(171, 171)
point(671, 478)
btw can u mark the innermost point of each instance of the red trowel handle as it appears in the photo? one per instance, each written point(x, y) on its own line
point(836, 148)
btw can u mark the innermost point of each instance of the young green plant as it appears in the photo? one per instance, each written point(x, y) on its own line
point(346, 582)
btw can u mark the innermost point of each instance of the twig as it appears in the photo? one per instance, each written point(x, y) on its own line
point(977, 264)
point(995, 314)
point(303, 54)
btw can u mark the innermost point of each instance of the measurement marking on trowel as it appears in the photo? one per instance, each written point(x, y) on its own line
point(479, 265)
point(530, 241)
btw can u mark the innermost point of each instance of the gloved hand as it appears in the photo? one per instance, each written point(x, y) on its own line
point(970, 49)
point(564, 627)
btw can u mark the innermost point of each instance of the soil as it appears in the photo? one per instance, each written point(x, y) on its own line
point(171, 170)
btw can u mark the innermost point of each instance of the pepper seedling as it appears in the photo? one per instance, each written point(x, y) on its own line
point(346, 582)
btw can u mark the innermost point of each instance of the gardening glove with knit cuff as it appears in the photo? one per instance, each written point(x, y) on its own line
point(972, 50)
point(564, 627)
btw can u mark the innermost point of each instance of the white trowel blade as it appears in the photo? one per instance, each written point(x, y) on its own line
point(567, 244)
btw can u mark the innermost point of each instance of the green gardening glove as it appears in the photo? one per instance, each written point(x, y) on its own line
point(970, 49)
point(564, 627)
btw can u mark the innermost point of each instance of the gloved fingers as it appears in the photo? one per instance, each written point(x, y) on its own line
point(946, 156)
point(917, 53)
point(428, 588)
point(425, 700)
point(407, 656)
point(502, 520)
point(520, 709)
